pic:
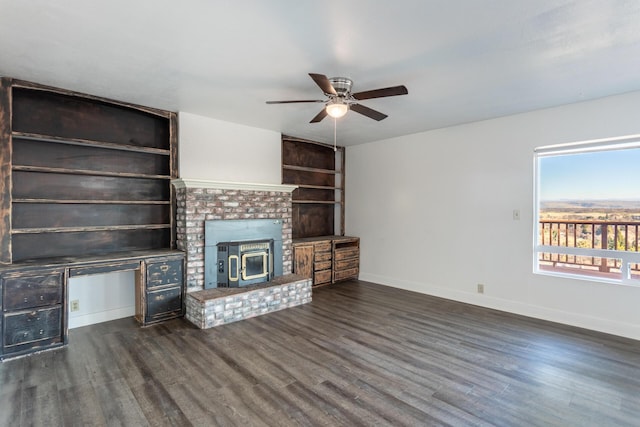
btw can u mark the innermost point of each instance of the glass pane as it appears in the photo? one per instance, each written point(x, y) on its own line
point(254, 265)
point(588, 200)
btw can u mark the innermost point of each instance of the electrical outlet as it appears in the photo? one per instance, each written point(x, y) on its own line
point(74, 305)
point(480, 288)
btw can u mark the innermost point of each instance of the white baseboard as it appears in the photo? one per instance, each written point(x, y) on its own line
point(573, 319)
point(101, 316)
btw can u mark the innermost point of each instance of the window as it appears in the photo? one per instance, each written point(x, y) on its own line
point(588, 210)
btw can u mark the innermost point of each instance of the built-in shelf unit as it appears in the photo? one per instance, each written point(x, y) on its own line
point(321, 251)
point(318, 171)
point(85, 186)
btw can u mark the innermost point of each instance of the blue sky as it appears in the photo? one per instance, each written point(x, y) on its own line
point(613, 174)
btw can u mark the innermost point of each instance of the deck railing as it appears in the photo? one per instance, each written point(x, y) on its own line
point(596, 234)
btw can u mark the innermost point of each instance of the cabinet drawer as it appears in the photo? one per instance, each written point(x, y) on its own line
point(344, 253)
point(164, 273)
point(24, 327)
point(322, 265)
point(322, 256)
point(346, 274)
point(347, 264)
point(164, 303)
point(320, 277)
point(322, 247)
point(31, 291)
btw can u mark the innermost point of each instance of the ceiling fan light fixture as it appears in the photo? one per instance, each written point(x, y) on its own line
point(337, 109)
point(340, 99)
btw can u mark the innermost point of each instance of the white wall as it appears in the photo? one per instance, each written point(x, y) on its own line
point(102, 297)
point(434, 213)
point(222, 151)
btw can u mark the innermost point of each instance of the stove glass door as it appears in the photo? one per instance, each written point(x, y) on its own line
point(255, 265)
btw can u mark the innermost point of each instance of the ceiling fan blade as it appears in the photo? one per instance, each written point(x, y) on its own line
point(321, 115)
point(324, 83)
point(381, 93)
point(366, 111)
point(295, 101)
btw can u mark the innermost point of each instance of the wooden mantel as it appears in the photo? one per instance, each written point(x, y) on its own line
point(228, 185)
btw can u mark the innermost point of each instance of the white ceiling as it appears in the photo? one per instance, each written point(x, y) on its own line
point(462, 61)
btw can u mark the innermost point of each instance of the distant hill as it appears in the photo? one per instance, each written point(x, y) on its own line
point(594, 205)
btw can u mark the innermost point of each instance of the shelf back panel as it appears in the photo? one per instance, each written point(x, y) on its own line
point(310, 220)
point(314, 194)
point(290, 176)
point(52, 215)
point(42, 185)
point(27, 152)
point(68, 116)
point(297, 153)
point(28, 247)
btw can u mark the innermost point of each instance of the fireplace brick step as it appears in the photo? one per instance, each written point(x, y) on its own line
point(214, 307)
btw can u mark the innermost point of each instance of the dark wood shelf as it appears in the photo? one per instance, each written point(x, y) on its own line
point(89, 143)
point(81, 261)
point(319, 187)
point(86, 172)
point(317, 202)
point(94, 202)
point(308, 169)
point(89, 229)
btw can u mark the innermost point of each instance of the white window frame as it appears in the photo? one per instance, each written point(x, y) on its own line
point(627, 258)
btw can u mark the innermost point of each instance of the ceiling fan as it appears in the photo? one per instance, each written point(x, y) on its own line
point(340, 99)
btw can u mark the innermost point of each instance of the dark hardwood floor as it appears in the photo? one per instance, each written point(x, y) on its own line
point(359, 354)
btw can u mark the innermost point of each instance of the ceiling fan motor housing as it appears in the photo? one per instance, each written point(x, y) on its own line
point(342, 85)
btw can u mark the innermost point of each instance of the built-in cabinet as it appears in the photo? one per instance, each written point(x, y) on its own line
point(85, 188)
point(346, 258)
point(159, 289)
point(313, 258)
point(34, 296)
point(318, 171)
point(33, 310)
point(320, 249)
point(327, 259)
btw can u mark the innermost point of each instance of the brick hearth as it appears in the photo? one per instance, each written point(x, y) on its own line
point(214, 307)
point(199, 201)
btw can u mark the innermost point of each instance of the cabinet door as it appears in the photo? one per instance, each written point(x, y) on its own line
point(303, 260)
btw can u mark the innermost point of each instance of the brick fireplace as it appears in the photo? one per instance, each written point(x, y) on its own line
point(201, 200)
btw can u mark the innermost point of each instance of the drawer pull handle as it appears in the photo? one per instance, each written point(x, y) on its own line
point(164, 268)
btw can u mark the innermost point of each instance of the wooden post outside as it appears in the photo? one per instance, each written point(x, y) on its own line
point(603, 245)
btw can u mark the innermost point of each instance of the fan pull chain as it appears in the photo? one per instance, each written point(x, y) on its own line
point(335, 125)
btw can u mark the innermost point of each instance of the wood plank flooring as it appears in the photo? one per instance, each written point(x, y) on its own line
point(359, 355)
